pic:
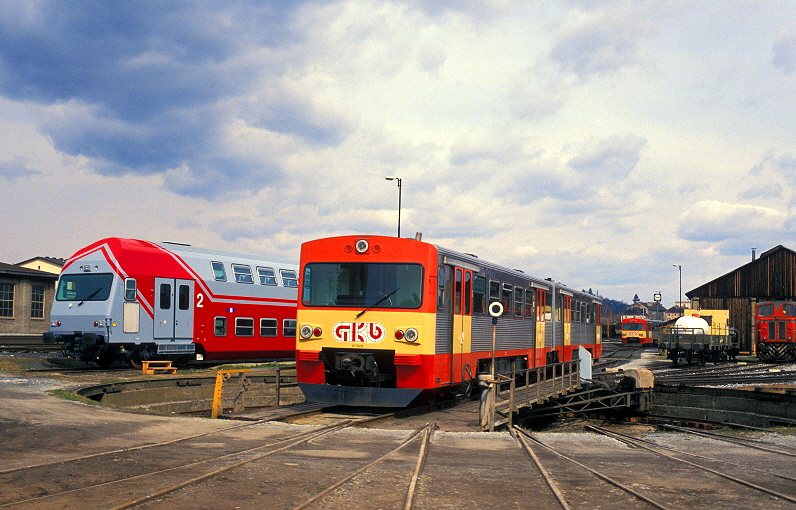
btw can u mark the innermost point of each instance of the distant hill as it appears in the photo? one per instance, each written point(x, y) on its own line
point(612, 307)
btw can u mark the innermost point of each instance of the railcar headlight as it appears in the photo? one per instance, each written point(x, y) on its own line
point(361, 246)
point(305, 331)
point(410, 335)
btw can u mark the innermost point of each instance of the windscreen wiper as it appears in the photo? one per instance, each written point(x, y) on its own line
point(90, 296)
point(377, 303)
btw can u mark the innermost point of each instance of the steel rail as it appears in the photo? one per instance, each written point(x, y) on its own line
point(329, 489)
point(749, 443)
point(599, 475)
point(132, 448)
point(657, 450)
point(562, 500)
point(421, 462)
point(306, 436)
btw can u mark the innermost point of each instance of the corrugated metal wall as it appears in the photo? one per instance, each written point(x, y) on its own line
point(772, 276)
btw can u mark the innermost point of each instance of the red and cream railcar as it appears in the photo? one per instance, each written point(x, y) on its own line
point(636, 330)
point(383, 320)
point(138, 300)
point(775, 322)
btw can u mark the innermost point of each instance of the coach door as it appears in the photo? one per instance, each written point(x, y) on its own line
point(462, 320)
point(173, 309)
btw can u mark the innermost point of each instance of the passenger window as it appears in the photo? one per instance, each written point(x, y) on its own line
point(289, 328)
point(220, 326)
point(529, 303)
point(244, 326)
point(266, 275)
point(219, 274)
point(165, 296)
point(243, 274)
point(479, 294)
point(506, 299)
point(289, 278)
point(268, 327)
point(129, 289)
point(518, 302)
point(494, 291)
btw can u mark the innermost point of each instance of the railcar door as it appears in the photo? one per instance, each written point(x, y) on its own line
point(462, 321)
point(173, 309)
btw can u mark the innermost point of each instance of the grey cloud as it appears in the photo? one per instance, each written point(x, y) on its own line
point(767, 191)
point(610, 158)
point(15, 169)
point(148, 76)
point(785, 54)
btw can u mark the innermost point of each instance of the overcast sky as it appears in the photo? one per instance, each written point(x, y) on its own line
point(594, 142)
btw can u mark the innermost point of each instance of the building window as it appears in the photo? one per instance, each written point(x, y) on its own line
point(243, 274)
point(289, 328)
point(268, 327)
point(244, 326)
point(289, 278)
point(37, 302)
point(266, 275)
point(219, 273)
point(220, 326)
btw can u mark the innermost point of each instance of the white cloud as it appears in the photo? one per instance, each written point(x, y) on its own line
point(593, 142)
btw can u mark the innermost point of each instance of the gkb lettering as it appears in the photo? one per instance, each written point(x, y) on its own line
point(363, 332)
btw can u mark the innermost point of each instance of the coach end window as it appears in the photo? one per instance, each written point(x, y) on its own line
point(129, 289)
point(219, 274)
point(220, 326)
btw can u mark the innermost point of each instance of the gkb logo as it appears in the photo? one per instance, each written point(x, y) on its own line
point(364, 332)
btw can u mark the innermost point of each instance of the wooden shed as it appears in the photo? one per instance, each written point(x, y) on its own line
point(772, 275)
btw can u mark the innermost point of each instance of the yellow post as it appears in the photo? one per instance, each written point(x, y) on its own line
point(217, 391)
point(218, 407)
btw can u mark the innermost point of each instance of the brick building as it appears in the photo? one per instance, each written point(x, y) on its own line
point(26, 297)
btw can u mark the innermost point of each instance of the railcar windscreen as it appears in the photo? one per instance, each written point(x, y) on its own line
point(766, 309)
point(633, 327)
point(363, 284)
point(84, 287)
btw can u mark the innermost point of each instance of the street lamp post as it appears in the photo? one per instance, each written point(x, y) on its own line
point(680, 268)
point(399, 201)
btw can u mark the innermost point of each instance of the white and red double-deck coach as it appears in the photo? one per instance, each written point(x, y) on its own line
point(133, 300)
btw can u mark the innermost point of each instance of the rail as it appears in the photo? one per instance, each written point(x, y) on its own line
point(502, 395)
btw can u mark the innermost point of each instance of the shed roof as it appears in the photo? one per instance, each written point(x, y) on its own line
point(19, 271)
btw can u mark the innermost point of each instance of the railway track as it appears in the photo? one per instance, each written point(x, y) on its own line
point(337, 464)
point(729, 374)
point(115, 478)
point(669, 480)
